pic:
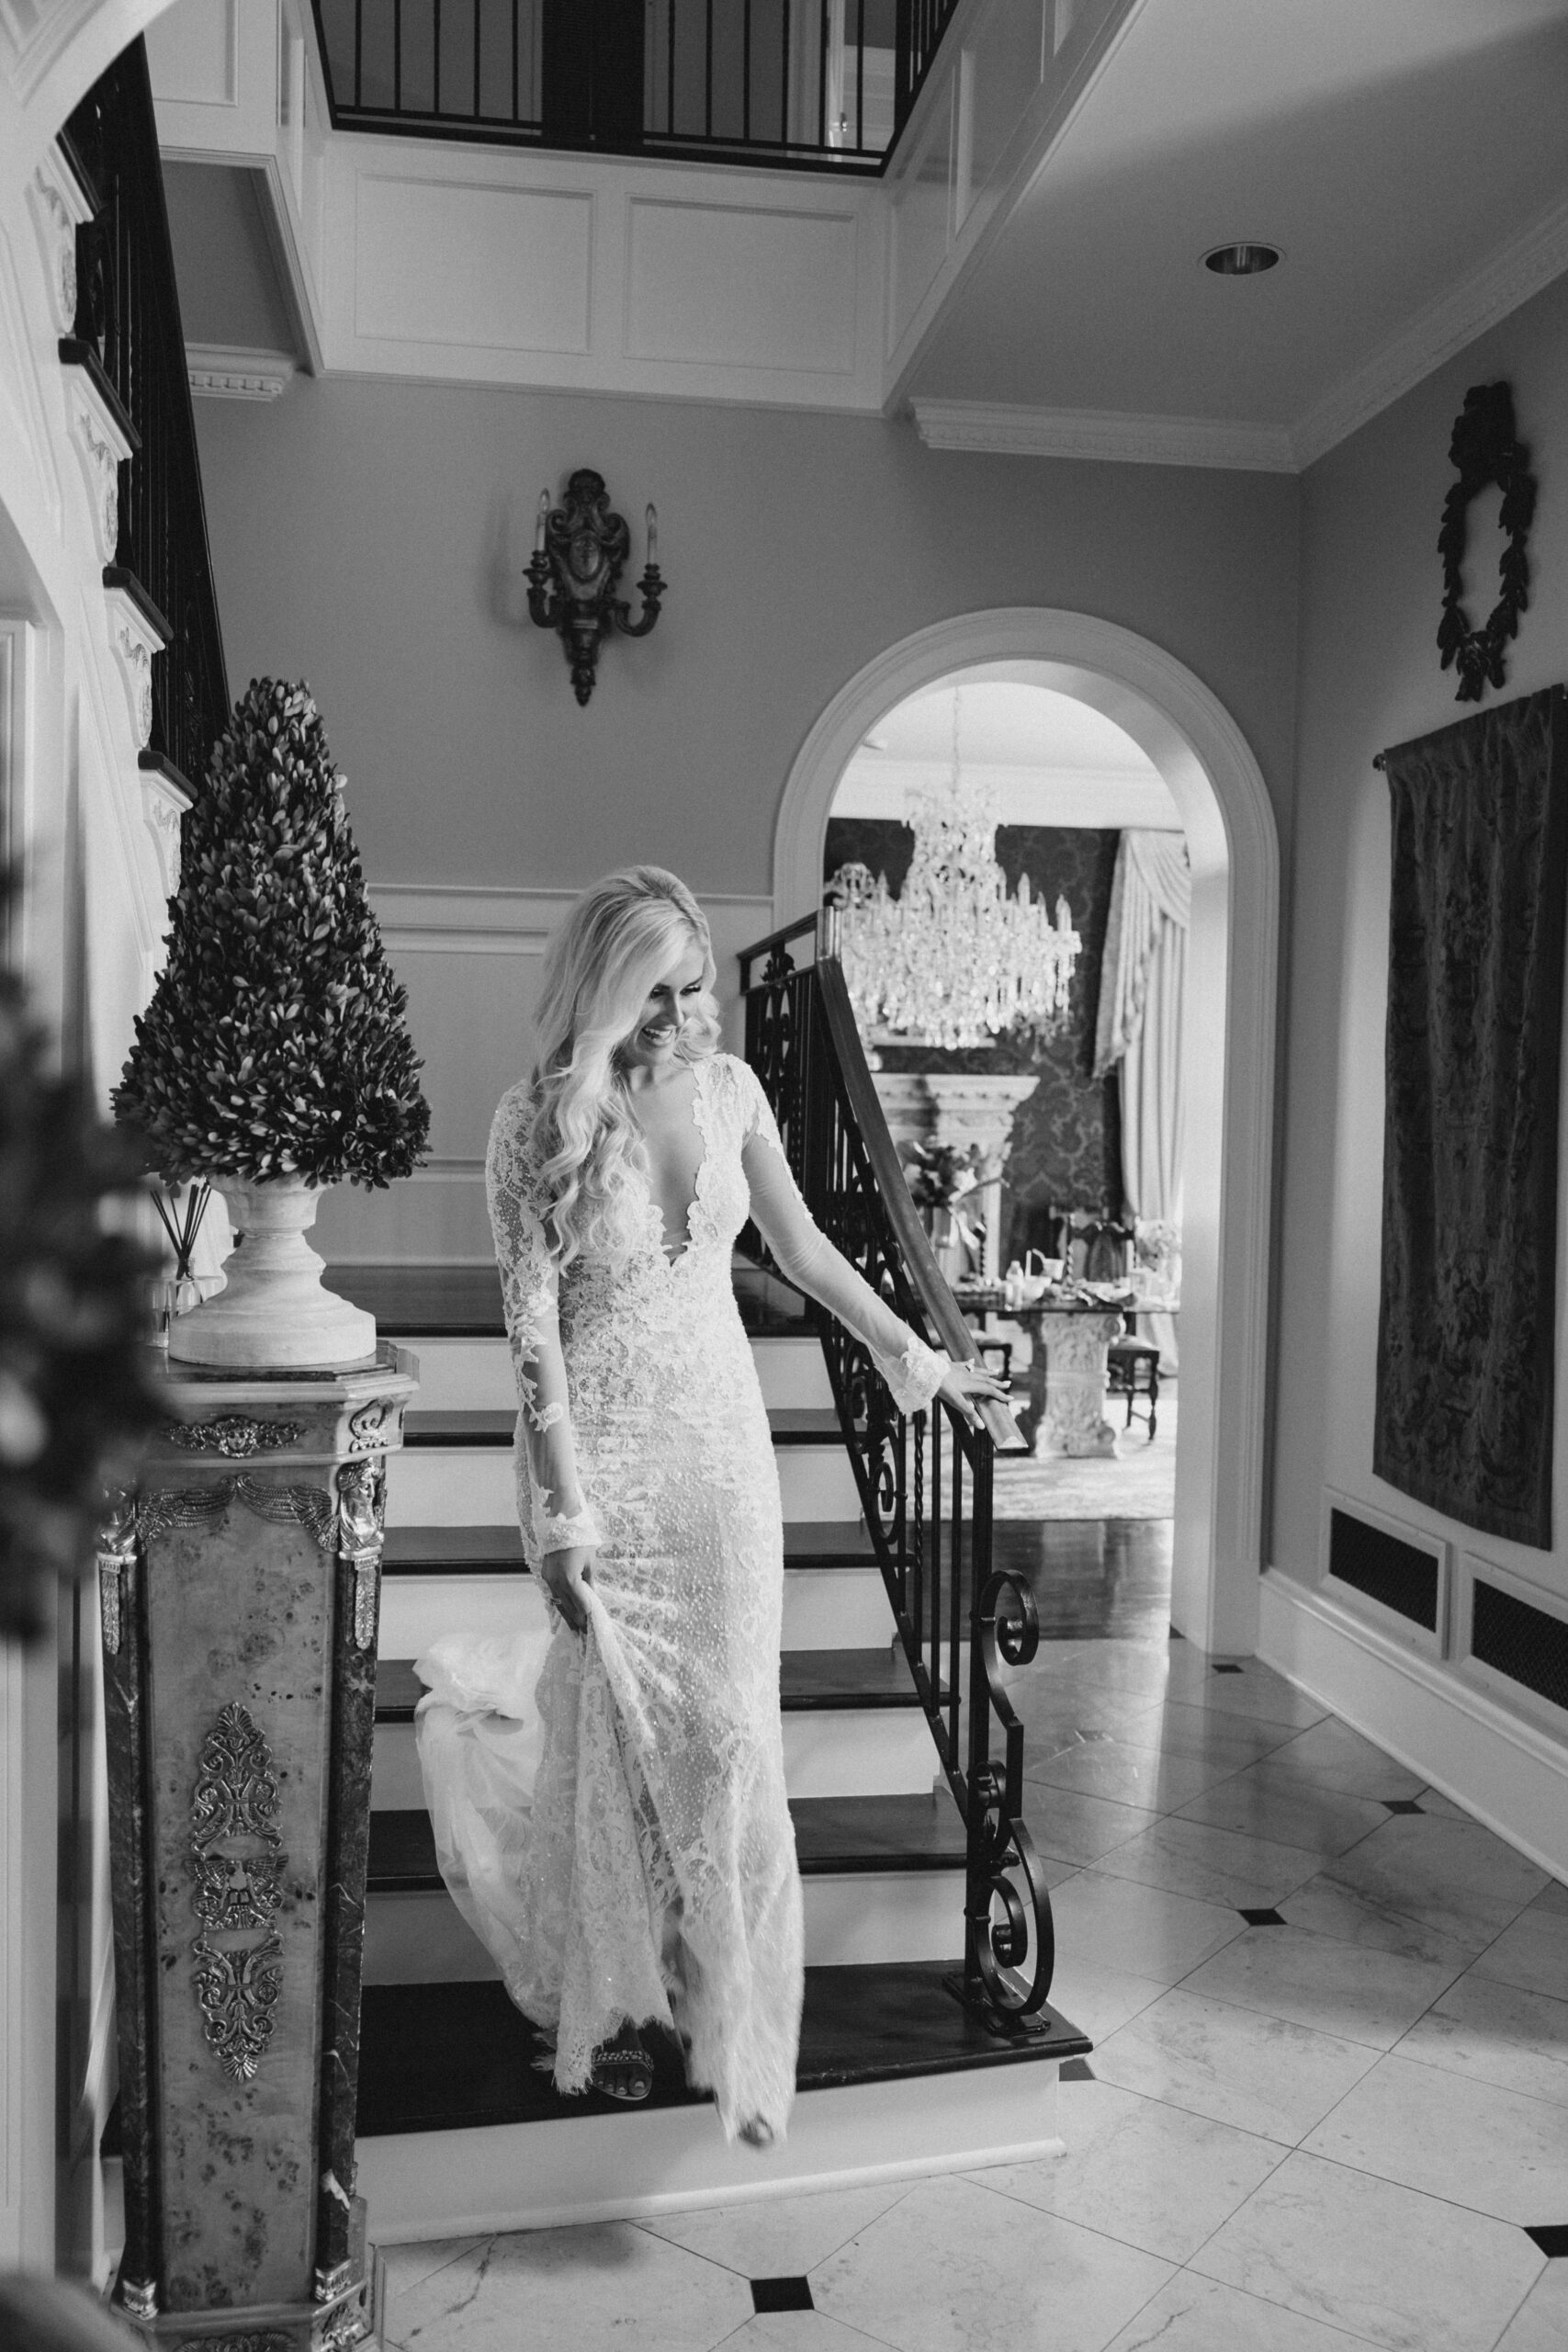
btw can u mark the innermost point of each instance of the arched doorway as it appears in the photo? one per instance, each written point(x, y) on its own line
point(1229, 1046)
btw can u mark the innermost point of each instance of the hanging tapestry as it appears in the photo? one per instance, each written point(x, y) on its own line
point(1465, 1327)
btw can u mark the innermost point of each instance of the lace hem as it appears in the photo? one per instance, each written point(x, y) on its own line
point(566, 1531)
point(914, 1377)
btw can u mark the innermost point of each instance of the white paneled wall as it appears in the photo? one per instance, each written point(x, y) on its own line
point(471, 961)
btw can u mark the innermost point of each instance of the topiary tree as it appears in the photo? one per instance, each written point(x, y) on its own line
point(275, 1043)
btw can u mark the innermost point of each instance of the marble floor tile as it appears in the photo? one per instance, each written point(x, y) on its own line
point(1496, 2034)
point(1451, 1875)
point(1553, 1896)
point(1327, 1908)
point(1236, 2065)
point(794, 2332)
point(607, 2283)
point(1127, 1775)
point(405, 2265)
point(1194, 2314)
point(777, 2237)
point(1541, 2323)
point(1532, 1953)
point(1399, 2270)
point(1348, 1990)
point(1181, 1729)
point(955, 2268)
point(1493, 2150)
point(1053, 1713)
point(1149, 2174)
point(1213, 1865)
point(1262, 1802)
point(1338, 1757)
point(1256, 1691)
point(1070, 1828)
point(1098, 1997)
point(1144, 1930)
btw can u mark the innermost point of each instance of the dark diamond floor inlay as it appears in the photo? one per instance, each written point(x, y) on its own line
point(1228, 1669)
point(1077, 2070)
point(1401, 1804)
point(782, 2295)
point(1551, 2237)
point(1268, 1919)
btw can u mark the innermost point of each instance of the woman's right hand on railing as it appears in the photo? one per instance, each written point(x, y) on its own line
point(963, 1383)
point(563, 1575)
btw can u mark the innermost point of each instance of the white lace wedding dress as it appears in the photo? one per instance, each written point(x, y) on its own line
point(620, 1839)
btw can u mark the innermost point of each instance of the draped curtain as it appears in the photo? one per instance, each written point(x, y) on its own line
point(1138, 1035)
point(1466, 1338)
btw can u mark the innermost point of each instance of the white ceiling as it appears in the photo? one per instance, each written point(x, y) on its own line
point(1047, 759)
point(1394, 149)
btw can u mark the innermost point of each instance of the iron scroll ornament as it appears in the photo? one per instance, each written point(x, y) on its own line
point(1485, 450)
point(579, 555)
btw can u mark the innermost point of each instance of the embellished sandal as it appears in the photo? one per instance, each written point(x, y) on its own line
point(622, 2070)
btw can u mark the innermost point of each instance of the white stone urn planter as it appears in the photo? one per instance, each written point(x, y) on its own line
point(272, 1313)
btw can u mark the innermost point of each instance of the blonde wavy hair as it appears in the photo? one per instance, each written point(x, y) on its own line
point(616, 942)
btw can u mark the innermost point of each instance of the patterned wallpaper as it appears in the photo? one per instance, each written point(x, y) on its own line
point(1067, 1140)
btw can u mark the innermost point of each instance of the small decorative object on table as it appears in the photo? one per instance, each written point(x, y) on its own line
point(177, 1293)
point(579, 552)
point(273, 1059)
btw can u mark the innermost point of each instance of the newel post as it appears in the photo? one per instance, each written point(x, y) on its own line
point(239, 1586)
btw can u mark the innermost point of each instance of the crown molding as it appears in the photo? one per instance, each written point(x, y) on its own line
point(1003, 429)
point(222, 371)
point(1510, 276)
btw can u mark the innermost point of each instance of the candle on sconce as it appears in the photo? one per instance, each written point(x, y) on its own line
point(652, 534)
point(543, 519)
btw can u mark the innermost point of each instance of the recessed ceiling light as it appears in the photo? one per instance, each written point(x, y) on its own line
point(1241, 261)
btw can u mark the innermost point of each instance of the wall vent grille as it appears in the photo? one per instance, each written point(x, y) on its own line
point(1397, 1576)
point(1525, 1644)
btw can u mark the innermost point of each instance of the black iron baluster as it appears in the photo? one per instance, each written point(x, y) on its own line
point(746, 75)
point(358, 52)
point(479, 5)
point(397, 56)
point(435, 62)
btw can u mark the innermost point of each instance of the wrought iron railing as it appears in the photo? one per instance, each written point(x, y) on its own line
point(925, 1480)
point(824, 83)
point(128, 331)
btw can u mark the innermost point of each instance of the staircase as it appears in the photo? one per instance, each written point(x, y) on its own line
point(459, 2130)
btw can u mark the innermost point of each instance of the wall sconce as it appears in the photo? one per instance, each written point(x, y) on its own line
point(579, 551)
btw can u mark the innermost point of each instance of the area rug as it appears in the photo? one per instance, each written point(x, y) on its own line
point(1137, 1483)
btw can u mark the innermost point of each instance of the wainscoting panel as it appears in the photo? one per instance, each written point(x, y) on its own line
point(711, 284)
point(1512, 1641)
point(194, 54)
point(1394, 1573)
point(472, 961)
point(444, 262)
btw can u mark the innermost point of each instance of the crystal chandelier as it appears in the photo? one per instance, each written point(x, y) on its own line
point(953, 961)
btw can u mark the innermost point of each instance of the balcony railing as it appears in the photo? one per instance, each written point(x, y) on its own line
point(827, 85)
point(127, 332)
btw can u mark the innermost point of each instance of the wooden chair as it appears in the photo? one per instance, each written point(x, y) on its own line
point(1132, 1371)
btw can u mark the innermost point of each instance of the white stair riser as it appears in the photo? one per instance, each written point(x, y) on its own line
point(462, 1486)
point(475, 1375)
point(824, 1608)
point(426, 2185)
point(846, 1752)
point(858, 1919)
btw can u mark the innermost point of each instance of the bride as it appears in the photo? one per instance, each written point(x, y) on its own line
point(619, 1835)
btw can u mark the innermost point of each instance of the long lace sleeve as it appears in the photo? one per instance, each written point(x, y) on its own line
point(550, 1501)
point(913, 1370)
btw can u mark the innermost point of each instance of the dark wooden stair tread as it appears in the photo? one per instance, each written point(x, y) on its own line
point(455, 2057)
point(810, 1681)
point(834, 1837)
point(491, 1425)
point(466, 1551)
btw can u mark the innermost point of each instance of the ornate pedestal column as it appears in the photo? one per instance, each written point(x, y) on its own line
point(239, 1586)
point(935, 1108)
point(1066, 1380)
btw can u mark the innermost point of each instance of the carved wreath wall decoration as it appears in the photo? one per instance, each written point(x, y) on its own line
point(1485, 448)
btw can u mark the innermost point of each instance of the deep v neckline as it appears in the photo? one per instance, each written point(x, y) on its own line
point(658, 1230)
